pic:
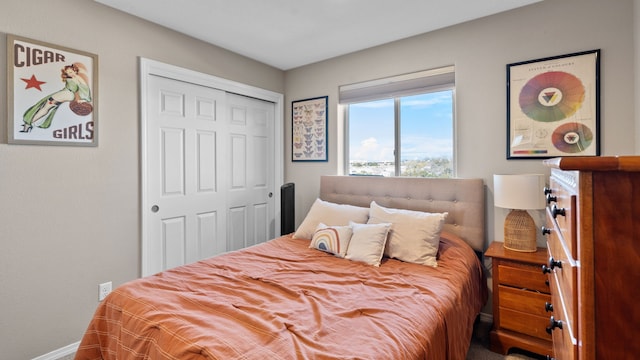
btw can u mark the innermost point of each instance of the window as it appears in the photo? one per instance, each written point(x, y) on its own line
point(401, 129)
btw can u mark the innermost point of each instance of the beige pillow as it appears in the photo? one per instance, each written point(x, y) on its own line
point(330, 214)
point(414, 235)
point(332, 239)
point(367, 243)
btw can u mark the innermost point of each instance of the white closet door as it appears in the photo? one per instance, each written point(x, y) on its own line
point(186, 191)
point(209, 170)
point(250, 195)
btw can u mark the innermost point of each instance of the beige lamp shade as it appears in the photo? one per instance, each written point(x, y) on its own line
point(519, 193)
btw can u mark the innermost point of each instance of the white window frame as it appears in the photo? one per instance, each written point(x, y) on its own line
point(396, 87)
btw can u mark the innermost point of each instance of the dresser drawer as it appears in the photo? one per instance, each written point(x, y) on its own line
point(562, 210)
point(565, 344)
point(564, 274)
point(564, 278)
point(526, 276)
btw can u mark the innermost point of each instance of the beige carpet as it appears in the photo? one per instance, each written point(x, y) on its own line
point(479, 349)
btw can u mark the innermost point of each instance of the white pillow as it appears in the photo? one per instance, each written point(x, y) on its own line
point(331, 239)
point(367, 243)
point(414, 235)
point(330, 214)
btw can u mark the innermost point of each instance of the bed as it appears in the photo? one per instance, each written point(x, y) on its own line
point(302, 296)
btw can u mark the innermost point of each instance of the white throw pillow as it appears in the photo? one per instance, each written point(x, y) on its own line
point(367, 243)
point(332, 239)
point(414, 235)
point(330, 214)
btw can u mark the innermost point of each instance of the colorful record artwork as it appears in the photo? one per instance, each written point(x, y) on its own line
point(572, 137)
point(551, 96)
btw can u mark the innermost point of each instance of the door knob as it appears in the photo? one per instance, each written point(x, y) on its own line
point(155, 208)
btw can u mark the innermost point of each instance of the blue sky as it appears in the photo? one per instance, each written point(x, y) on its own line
point(427, 128)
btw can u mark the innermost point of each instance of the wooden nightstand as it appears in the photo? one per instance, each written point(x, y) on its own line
point(520, 294)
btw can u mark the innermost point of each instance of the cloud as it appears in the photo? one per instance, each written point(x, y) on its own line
point(370, 149)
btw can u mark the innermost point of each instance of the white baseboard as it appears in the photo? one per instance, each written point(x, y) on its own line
point(59, 353)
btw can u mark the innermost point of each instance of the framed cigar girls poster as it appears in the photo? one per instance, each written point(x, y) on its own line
point(52, 94)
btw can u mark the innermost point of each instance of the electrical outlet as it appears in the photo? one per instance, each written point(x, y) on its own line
point(103, 290)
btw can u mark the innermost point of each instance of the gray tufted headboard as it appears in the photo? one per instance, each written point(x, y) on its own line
point(463, 199)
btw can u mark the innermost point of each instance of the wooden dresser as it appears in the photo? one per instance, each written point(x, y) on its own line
point(593, 240)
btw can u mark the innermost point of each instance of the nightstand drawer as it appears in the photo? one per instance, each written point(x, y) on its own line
point(523, 276)
point(524, 323)
point(523, 300)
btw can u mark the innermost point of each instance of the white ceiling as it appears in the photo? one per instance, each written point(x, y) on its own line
point(291, 33)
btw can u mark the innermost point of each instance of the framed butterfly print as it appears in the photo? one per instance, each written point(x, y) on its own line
point(309, 129)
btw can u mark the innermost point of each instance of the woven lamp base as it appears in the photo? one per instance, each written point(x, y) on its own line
point(520, 231)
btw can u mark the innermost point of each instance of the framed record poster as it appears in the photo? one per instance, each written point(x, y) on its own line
point(52, 94)
point(309, 129)
point(553, 106)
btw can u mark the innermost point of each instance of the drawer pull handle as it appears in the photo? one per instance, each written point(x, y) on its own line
point(553, 324)
point(553, 263)
point(551, 198)
point(545, 231)
point(548, 307)
point(555, 211)
point(550, 358)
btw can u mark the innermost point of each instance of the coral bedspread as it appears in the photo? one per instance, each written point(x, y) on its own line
point(282, 300)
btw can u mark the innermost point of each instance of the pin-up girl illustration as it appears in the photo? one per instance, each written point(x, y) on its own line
point(76, 91)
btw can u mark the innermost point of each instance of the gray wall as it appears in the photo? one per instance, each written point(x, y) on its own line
point(480, 50)
point(69, 216)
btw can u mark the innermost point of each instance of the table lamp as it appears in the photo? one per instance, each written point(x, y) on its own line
point(519, 193)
